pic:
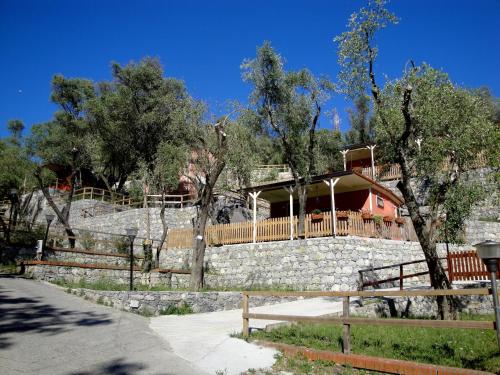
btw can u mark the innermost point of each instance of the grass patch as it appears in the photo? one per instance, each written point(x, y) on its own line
point(8, 269)
point(106, 284)
point(466, 348)
point(182, 309)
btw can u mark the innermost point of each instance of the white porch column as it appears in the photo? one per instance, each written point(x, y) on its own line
point(373, 161)
point(332, 184)
point(370, 197)
point(290, 191)
point(254, 196)
point(344, 155)
point(418, 141)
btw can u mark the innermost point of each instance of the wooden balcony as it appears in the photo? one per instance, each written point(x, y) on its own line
point(382, 172)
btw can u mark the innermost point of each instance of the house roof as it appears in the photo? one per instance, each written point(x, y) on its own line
point(358, 151)
point(348, 181)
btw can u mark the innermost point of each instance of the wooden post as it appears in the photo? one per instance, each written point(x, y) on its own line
point(333, 218)
point(254, 206)
point(370, 197)
point(344, 155)
point(346, 339)
point(450, 266)
point(246, 328)
point(373, 161)
point(290, 191)
point(400, 277)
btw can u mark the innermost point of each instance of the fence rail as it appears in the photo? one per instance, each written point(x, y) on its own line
point(349, 223)
point(363, 282)
point(346, 320)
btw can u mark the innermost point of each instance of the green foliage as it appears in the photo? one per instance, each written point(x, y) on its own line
point(27, 237)
point(288, 105)
point(327, 153)
point(362, 124)
point(474, 349)
point(87, 240)
point(133, 115)
point(16, 168)
point(121, 244)
point(181, 309)
point(377, 219)
point(170, 161)
point(454, 124)
point(355, 49)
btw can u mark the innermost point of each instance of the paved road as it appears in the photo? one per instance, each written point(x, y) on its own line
point(204, 339)
point(44, 330)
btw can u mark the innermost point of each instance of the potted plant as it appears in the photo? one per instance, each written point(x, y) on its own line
point(316, 215)
point(366, 215)
point(342, 214)
point(389, 218)
point(400, 220)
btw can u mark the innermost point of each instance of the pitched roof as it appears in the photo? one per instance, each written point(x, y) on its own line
point(349, 181)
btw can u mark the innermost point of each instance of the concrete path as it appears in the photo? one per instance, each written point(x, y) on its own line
point(44, 330)
point(204, 339)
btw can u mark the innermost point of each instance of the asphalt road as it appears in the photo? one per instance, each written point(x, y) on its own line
point(44, 330)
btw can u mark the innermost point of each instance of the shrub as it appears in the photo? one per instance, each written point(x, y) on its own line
point(181, 309)
point(121, 245)
point(87, 241)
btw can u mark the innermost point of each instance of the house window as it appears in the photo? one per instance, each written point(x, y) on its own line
point(380, 200)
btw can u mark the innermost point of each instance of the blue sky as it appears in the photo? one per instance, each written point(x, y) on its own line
point(204, 43)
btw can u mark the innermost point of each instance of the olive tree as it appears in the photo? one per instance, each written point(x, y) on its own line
point(453, 123)
point(289, 105)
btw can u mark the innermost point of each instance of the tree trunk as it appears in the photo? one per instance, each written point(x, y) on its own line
point(164, 234)
point(211, 176)
point(147, 248)
point(64, 215)
point(447, 306)
point(198, 256)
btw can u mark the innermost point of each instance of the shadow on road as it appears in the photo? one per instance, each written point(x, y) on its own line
point(22, 314)
point(115, 367)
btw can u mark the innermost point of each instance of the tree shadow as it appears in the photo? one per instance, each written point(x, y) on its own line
point(26, 314)
point(115, 367)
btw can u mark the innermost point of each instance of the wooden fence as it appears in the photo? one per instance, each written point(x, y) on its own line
point(466, 265)
point(349, 223)
point(347, 321)
point(366, 281)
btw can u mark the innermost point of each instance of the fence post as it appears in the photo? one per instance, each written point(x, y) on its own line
point(346, 328)
point(450, 266)
point(246, 329)
point(400, 277)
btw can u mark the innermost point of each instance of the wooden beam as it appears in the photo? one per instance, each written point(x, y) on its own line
point(421, 323)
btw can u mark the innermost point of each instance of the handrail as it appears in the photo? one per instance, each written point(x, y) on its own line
point(401, 276)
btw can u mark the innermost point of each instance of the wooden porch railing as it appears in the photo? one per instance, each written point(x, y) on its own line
point(349, 223)
point(393, 171)
point(466, 265)
point(383, 172)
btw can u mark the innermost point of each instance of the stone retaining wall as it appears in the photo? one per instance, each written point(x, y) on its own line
point(86, 258)
point(313, 264)
point(152, 303)
point(424, 307)
point(91, 275)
